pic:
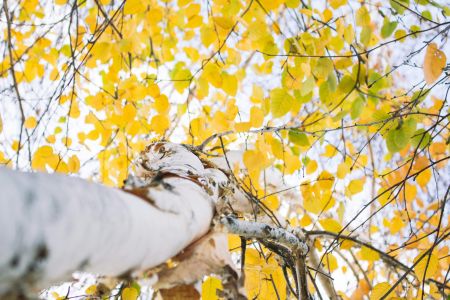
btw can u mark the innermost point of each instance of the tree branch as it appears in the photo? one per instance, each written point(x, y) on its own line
point(257, 230)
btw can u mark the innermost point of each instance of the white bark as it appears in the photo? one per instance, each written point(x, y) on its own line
point(264, 231)
point(53, 225)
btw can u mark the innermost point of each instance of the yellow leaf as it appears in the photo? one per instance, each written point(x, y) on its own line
point(271, 202)
point(368, 254)
point(292, 163)
point(256, 116)
point(60, 167)
point(153, 90)
point(277, 148)
point(129, 112)
point(423, 178)
point(129, 293)
point(318, 204)
point(342, 170)
point(212, 73)
point(229, 84)
point(327, 15)
point(73, 164)
point(292, 3)
point(280, 102)
point(410, 192)
point(262, 275)
point(210, 287)
point(341, 211)
point(346, 244)
point(336, 3)
point(330, 151)
point(317, 198)
point(396, 224)
point(30, 123)
point(56, 296)
point(242, 126)
point(330, 225)
point(362, 16)
point(305, 221)
point(428, 262)
point(356, 186)
point(373, 229)
point(66, 141)
point(361, 290)
point(134, 7)
point(306, 11)
point(383, 196)
point(323, 67)
point(44, 156)
point(400, 35)
point(162, 104)
point(224, 22)
point(74, 110)
point(51, 139)
point(90, 290)
point(311, 167)
point(254, 161)
point(379, 290)
point(207, 35)
point(330, 262)
point(159, 124)
point(15, 145)
point(434, 63)
point(182, 77)
point(234, 242)
point(3, 159)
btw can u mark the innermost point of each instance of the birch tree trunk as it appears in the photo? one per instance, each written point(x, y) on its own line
point(52, 225)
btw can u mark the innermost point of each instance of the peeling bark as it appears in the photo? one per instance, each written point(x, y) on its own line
point(264, 231)
point(53, 225)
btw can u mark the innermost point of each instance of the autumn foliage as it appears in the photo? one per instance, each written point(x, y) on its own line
point(337, 112)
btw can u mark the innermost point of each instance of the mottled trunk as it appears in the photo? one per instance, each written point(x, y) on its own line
point(52, 225)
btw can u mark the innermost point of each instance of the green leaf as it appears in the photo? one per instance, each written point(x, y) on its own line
point(324, 93)
point(427, 14)
point(401, 138)
point(362, 16)
point(409, 127)
point(420, 95)
point(422, 137)
point(390, 142)
point(302, 98)
point(339, 116)
point(446, 12)
point(376, 82)
point(357, 107)
point(399, 5)
point(280, 102)
point(380, 115)
point(332, 82)
point(346, 85)
point(323, 68)
point(366, 33)
point(181, 76)
point(135, 285)
point(398, 138)
point(388, 28)
point(307, 86)
point(298, 138)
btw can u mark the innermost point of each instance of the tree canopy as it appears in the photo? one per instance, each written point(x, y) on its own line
point(332, 116)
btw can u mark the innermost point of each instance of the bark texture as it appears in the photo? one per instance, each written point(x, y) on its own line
point(52, 225)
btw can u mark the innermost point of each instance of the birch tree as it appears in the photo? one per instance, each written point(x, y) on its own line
point(225, 149)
